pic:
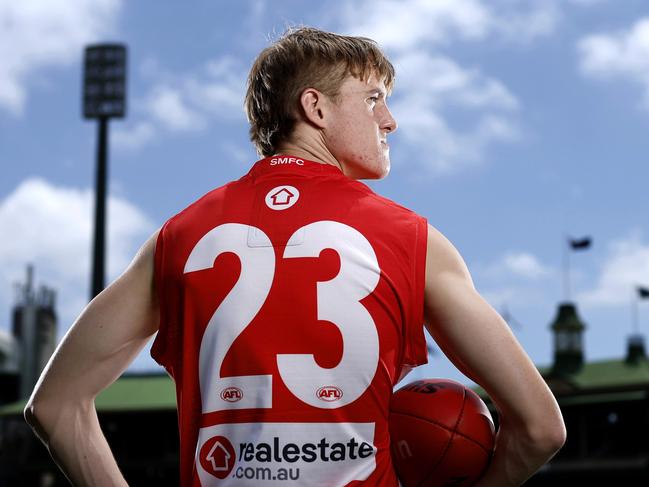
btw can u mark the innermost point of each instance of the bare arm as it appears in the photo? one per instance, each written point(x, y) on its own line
point(103, 341)
point(481, 345)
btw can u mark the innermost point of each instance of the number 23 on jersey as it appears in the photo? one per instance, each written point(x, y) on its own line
point(338, 302)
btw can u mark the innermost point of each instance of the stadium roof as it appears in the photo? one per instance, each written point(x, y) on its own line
point(601, 381)
point(131, 392)
point(608, 373)
point(597, 382)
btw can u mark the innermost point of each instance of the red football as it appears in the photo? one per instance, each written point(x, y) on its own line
point(442, 434)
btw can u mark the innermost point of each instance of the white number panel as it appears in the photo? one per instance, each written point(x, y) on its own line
point(338, 302)
point(236, 311)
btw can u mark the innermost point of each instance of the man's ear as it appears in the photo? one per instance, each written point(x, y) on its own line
point(314, 106)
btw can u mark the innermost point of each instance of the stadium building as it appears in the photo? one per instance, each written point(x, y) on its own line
point(605, 406)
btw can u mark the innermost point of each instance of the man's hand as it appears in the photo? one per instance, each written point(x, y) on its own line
point(103, 341)
point(478, 341)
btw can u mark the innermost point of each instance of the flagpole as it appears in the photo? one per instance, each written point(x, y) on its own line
point(634, 311)
point(566, 269)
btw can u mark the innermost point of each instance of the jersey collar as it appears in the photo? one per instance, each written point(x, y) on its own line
point(285, 163)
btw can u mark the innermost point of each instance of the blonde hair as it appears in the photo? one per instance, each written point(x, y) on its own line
point(304, 58)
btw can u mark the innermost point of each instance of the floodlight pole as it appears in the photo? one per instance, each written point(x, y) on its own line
point(104, 97)
point(101, 178)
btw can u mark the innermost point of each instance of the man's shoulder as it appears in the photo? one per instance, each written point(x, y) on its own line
point(387, 204)
point(216, 196)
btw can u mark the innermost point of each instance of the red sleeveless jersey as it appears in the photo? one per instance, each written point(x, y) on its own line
point(291, 302)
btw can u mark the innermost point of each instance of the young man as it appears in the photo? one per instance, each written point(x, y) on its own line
point(289, 303)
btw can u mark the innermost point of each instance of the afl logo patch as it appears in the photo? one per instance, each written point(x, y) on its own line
point(232, 394)
point(329, 393)
point(282, 197)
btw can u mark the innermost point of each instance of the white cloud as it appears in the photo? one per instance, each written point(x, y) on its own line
point(516, 264)
point(523, 25)
point(451, 113)
point(445, 82)
point(433, 91)
point(134, 137)
point(43, 33)
point(623, 54)
point(169, 108)
point(524, 265)
point(222, 90)
point(186, 103)
point(626, 266)
point(237, 154)
point(430, 88)
point(516, 278)
point(401, 25)
point(50, 226)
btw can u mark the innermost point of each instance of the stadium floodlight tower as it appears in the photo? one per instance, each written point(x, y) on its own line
point(104, 97)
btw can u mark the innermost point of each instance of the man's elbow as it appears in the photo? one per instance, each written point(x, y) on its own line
point(557, 436)
point(36, 416)
point(47, 416)
point(549, 435)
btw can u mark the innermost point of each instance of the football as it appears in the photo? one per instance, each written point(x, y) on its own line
point(442, 434)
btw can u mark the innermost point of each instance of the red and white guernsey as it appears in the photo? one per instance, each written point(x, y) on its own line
point(291, 301)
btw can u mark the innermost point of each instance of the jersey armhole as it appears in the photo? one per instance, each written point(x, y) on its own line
point(416, 350)
point(159, 348)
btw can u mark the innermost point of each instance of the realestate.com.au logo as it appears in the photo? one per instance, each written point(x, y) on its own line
point(218, 457)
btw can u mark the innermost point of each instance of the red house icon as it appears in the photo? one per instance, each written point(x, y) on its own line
point(219, 457)
point(282, 197)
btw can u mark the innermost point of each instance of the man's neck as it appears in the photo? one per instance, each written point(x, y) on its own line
point(306, 150)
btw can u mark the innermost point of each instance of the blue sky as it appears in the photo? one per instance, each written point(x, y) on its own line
point(519, 123)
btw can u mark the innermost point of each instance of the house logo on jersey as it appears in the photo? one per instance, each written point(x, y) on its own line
point(217, 456)
point(282, 197)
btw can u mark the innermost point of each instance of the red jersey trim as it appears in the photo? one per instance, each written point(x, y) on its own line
point(159, 348)
point(418, 353)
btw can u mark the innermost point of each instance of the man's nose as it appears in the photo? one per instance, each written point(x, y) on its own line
point(389, 124)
